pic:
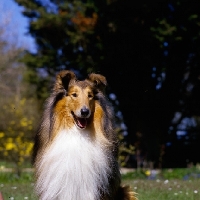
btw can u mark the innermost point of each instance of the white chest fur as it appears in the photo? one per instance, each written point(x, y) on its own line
point(73, 168)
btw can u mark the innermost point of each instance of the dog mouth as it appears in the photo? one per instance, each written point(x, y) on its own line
point(80, 122)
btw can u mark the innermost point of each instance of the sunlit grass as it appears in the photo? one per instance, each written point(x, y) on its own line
point(166, 189)
point(17, 188)
point(17, 191)
point(161, 188)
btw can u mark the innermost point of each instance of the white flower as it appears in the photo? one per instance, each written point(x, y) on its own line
point(166, 181)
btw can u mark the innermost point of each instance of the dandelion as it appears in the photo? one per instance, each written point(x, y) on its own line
point(25, 197)
point(11, 198)
point(186, 193)
point(175, 194)
point(135, 188)
point(195, 191)
point(157, 180)
point(14, 188)
point(169, 188)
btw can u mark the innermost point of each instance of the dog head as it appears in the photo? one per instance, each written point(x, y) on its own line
point(80, 95)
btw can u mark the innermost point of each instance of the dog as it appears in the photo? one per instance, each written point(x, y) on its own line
point(76, 148)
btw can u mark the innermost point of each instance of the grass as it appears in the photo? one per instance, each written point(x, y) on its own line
point(17, 188)
point(176, 184)
point(17, 191)
point(166, 189)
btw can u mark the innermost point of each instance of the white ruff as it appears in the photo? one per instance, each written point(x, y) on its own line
point(73, 168)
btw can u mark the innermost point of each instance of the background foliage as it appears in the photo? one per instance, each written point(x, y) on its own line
point(149, 52)
point(19, 112)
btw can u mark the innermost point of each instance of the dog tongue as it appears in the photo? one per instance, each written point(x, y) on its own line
point(82, 122)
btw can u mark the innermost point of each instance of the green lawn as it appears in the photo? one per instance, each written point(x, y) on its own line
point(17, 191)
point(166, 190)
point(161, 188)
point(15, 188)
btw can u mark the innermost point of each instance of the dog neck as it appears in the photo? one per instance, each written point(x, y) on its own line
point(75, 166)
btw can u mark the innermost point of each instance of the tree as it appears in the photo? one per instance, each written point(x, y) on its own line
point(65, 35)
point(18, 106)
point(143, 48)
point(152, 44)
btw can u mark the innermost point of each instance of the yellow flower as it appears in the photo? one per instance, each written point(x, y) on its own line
point(9, 146)
point(148, 172)
point(2, 134)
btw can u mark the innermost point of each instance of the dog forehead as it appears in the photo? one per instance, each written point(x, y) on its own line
point(81, 85)
point(84, 84)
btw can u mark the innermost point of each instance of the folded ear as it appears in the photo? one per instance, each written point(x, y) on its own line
point(62, 80)
point(98, 80)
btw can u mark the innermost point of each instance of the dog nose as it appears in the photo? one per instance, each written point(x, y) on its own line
point(85, 112)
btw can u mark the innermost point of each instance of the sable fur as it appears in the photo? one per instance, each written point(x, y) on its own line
point(75, 151)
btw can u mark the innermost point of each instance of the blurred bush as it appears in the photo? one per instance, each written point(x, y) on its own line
point(19, 112)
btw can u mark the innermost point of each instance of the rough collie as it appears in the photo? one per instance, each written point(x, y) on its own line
point(75, 151)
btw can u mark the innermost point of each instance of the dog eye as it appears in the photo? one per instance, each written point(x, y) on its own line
point(90, 96)
point(74, 94)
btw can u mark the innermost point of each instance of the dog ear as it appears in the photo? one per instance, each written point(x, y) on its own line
point(62, 80)
point(98, 80)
